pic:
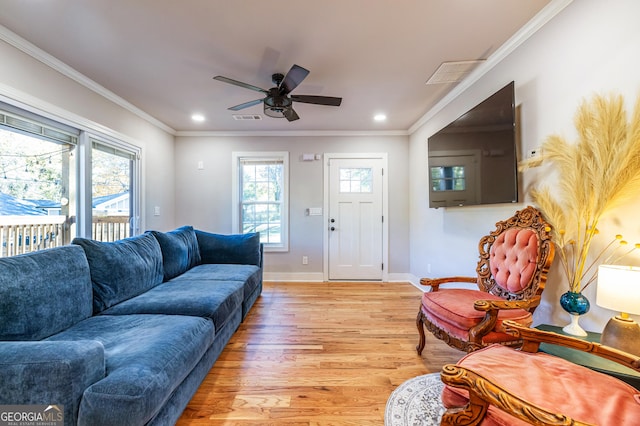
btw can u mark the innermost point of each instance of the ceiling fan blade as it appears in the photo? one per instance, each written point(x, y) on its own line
point(290, 114)
point(293, 78)
point(246, 105)
point(318, 100)
point(239, 83)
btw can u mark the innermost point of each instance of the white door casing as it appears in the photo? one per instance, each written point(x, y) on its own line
point(355, 205)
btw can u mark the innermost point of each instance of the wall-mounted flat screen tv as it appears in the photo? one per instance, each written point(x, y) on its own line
point(473, 160)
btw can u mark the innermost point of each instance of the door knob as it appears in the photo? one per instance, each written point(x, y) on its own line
point(332, 220)
point(333, 228)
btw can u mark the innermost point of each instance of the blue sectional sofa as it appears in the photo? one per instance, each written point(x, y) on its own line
point(122, 333)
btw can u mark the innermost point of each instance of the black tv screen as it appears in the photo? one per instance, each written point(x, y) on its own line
point(473, 160)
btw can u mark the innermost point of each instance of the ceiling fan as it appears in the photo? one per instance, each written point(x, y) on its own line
point(278, 102)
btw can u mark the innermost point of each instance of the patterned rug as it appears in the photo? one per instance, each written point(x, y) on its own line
point(416, 402)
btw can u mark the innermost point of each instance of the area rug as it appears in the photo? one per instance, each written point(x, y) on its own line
point(416, 402)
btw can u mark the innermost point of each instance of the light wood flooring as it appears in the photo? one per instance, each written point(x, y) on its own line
point(318, 354)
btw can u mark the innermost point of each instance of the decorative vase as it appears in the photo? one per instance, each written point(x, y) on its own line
point(576, 304)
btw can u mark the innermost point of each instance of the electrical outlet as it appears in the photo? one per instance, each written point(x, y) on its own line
point(534, 152)
point(305, 260)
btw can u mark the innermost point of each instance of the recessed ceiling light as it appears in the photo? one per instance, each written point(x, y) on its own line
point(380, 117)
point(197, 117)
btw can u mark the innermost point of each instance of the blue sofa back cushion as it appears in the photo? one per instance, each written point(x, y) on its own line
point(43, 293)
point(180, 250)
point(242, 249)
point(122, 269)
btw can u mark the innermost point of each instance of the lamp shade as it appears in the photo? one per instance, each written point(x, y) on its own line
point(619, 288)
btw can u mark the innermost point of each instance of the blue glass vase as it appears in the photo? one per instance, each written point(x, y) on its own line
point(576, 304)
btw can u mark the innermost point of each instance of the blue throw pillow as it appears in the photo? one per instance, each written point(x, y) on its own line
point(242, 249)
point(180, 250)
point(122, 269)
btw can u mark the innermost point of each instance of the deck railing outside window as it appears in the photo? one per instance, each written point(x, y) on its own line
point(24, 234)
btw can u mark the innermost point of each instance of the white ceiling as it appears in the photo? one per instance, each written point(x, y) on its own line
point(161, 55)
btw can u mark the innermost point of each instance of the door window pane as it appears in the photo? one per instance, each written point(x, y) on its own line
point(356, 180)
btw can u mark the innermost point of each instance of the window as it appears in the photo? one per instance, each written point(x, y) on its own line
point(261, 188)
point(112, 191)
point(37, 182)
point(44, 168)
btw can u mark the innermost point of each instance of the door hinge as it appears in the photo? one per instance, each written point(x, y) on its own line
point(382, 266)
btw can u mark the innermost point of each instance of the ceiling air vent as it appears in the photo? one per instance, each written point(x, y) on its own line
point(453, 72)
point(244, 117)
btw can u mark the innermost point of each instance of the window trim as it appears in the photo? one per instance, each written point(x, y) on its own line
point(283, 156)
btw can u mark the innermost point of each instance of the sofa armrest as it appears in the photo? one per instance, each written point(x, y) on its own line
point(45, 372)
point(241, 249)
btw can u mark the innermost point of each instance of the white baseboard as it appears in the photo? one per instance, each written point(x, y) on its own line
point(293, 276)
point(319, 277)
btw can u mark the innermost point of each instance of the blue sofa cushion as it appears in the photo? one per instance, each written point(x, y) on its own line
point(146, 356)
point(250, 275)
point(122, 269)
point(180, 250)
point(44, 292)
point(217, 300)
point(241, 249)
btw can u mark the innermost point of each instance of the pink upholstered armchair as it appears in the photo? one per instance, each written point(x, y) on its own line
point(512, 271)
point(498, 385)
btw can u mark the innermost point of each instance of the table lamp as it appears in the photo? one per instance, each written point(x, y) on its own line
point(619, 290)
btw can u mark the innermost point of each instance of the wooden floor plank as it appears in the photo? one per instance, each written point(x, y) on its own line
point(317, 354)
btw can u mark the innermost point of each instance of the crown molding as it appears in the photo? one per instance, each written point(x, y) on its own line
point(35, 52)
point(535, 24)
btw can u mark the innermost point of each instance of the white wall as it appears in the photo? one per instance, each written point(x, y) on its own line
point(203, 197)
point(29, 83)
point(590, 47)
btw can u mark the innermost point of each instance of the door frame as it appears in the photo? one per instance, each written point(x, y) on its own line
point(385, 207)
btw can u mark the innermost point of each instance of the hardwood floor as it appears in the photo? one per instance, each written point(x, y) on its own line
point(317, 354)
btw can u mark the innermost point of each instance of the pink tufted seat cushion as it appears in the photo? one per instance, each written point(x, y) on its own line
point(452, 310)
point(551, 383)
point(512, 257)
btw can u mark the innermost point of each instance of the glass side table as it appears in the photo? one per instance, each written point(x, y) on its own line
point(593, 362)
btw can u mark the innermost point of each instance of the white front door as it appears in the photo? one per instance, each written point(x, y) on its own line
point(355, 219)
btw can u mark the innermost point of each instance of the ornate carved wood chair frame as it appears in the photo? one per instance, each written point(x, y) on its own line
point(527, 299)
point(484, 392)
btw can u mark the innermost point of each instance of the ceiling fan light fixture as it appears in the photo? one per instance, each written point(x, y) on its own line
point(273, 112)
point(276, 106)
